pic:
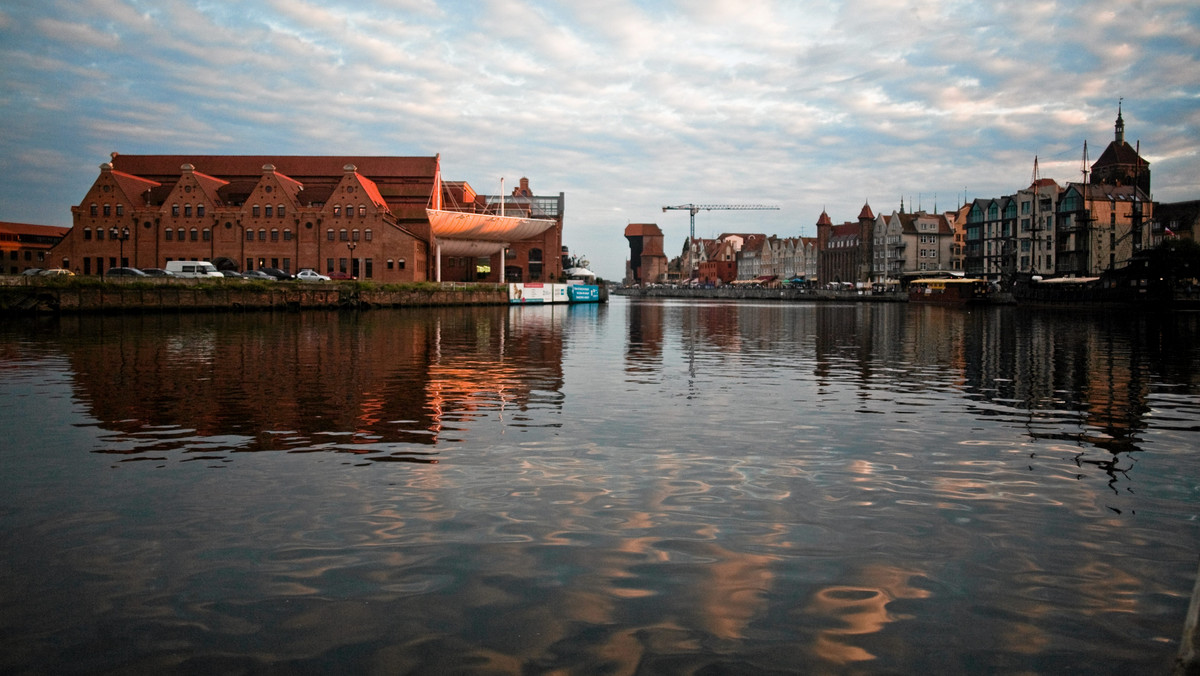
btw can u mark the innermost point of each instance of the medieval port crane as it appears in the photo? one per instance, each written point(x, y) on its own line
point(694, 208)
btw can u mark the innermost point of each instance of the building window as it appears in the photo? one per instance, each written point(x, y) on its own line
point(254, 211)
point(342, 265)
point(368, 268)
point(120, 209)
point(354, 234)
point(391, 263)
point(195, 235)
point(343, 235)
point(362, 211)
point(95, 210)
point(287, 234)
point(328, 265)
point(187, 211)
point(349, 210)
point(329, 234)
point(367, 234)
point(175, 210)
point(262, 235)
point(274, 234)
point(269, 211)
point(87, 234)
point(337, 210)
point(279, 211)
point(249, 235)
point(99, 234)
point(400, 263)
point(108, 210)
point(200, 210)
point(207, 235)
point(169, 234)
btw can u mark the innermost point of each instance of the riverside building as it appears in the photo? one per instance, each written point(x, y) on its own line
point(361, 216)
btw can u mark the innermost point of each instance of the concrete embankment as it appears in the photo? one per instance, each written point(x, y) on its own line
point(72, 296)
point(742, 293)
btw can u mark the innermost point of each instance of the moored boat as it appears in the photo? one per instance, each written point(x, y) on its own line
point(949, 291)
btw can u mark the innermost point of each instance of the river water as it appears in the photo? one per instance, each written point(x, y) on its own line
point(651, 487)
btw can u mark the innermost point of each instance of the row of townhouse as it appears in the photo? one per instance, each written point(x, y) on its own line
point(750, 257)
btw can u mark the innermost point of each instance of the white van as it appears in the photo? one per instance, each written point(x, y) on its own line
point(193, 269)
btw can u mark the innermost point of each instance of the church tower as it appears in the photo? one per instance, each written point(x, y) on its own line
point(1120, 164)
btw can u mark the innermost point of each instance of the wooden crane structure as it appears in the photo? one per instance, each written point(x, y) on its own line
point(693, 209)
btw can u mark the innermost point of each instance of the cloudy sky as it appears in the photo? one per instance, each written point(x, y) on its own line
point(625, 107)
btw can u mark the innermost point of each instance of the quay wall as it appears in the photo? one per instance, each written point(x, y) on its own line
point(742, 293)
point(68, 296)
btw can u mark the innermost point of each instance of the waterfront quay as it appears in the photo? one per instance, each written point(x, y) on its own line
point(745, 293)
point(34, 295)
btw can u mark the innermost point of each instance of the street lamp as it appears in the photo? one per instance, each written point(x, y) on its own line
point(350, 246)
point(121, 236)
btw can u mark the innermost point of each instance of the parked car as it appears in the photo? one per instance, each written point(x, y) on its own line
point(277, 273)
point(340, 275)
point(124, 272)
point(56, 272)
point(29, 272)
point(234, 274)
point(259, 275)
point(311, 276)
point(157, 272)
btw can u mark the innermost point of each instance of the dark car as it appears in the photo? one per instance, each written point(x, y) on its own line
point(157, 272)
point(124, 272)
point(259, 275)
point(234, 274)
point(277, 273)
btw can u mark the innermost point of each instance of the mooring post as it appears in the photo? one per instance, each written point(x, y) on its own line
point(1188, 662)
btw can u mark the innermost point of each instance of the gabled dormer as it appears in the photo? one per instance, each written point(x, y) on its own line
point(113, 198)
point(273, 200)
point(355, 197)
point(193, 197)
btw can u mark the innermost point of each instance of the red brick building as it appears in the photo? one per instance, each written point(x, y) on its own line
point(845, 252)
point(24, 246)
point(363, 216)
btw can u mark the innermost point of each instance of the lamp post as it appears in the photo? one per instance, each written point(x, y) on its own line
point(121, 236)
point(351, 246)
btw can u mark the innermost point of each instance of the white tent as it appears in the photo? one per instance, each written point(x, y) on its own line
point(580, 273)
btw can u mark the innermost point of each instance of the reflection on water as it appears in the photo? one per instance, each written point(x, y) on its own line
point(638, 487)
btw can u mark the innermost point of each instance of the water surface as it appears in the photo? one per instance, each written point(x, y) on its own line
point(637, 487)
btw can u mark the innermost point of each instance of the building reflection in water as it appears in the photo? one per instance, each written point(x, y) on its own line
point(386, 385)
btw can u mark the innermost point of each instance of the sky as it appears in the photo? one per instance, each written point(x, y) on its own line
point(625, 107)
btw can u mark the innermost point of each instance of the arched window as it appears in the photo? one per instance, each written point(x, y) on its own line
point(329, 234)
point(87, 234)
point(274, 234)
point(175, 210)
point(343, 235)
point(367, 234)
point(199, 210)
point(279, 211)
point(269, 211)
point(354, 235)
point(207, 235)
point(180, 233)
point(287, 234)
point(187, 211)
point(95, 209)
point(249, 235)
point(254, 211)
point(120, 209)
point(195, 235)
point(362, 211)
point(168, 234)
point(262, 234)
point(337, 211)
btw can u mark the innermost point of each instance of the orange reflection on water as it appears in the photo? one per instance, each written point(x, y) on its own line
point(862, 610)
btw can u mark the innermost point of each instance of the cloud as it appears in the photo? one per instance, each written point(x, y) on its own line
point(623, 106)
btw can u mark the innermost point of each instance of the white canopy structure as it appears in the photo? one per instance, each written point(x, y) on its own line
point(579, 273)
point(461, 233)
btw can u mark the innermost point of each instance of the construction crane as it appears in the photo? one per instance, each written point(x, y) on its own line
point(694, 208)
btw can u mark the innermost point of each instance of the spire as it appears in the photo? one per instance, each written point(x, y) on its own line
point(1120, 127)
